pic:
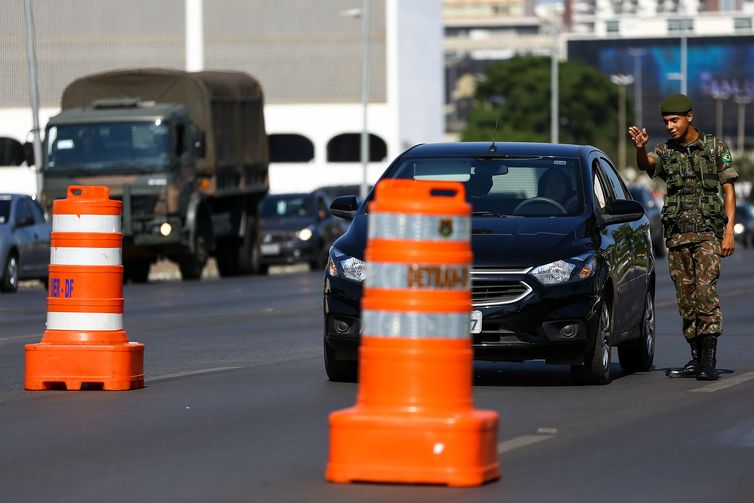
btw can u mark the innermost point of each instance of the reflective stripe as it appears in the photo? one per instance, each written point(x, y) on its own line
point(419, 227)
point(85, 256)
point(413, 325)
point(85, 223)
point(84, 321)
point(429, 276)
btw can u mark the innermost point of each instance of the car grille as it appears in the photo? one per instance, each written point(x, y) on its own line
point(278, 237)
point(493, 287)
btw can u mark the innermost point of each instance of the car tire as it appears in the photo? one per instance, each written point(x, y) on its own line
point(596, 367)
point(638, 355)
point(137, 271)
point(339, 370)
point(192, 264)
point(10, 275)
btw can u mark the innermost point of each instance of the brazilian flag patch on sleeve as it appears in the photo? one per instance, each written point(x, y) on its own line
point(726, 157)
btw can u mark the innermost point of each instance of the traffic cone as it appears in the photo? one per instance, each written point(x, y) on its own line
point(85, 344)
point(413, 421)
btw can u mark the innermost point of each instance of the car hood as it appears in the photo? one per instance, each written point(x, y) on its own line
point(285, 224)
point(504, 242)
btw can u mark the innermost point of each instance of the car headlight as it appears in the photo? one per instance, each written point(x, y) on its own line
point(738, 228)
point(560, 271)
point(344, 266)
point(305, 234)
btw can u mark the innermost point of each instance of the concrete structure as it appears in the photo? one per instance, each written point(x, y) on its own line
point(307, 55)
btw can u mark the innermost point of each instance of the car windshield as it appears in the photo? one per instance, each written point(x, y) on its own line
point(141, 146)
point(4, 210)
point(282, 206)
point(530, 187)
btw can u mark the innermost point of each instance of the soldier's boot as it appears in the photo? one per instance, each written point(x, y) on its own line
point(708, 372)
point(692, 368)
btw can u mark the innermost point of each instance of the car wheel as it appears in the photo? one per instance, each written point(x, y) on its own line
point(638, 355)
point(137, 271)
point(192, 265)
point(339, 370)
point(10, 276)
point(596, 367)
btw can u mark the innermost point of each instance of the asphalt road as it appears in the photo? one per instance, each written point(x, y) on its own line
point(236, 403)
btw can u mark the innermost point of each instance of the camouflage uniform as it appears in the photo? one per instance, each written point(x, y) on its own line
point(694, 222)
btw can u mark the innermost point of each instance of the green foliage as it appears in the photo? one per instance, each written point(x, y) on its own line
point(517, 91)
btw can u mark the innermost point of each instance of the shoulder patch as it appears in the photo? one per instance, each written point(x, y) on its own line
point(726, 157)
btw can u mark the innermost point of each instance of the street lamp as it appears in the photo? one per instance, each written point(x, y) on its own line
point(621, 81)
point(719, 97)
point(742, 101)
point(637, 53)
point(363, 13)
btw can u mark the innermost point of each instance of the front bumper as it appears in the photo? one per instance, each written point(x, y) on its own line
point(290, 250)
point(553, 324)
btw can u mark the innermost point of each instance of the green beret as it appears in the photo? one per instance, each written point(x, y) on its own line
point(676, 103)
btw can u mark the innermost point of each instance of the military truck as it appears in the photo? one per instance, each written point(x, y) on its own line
point(187, 154)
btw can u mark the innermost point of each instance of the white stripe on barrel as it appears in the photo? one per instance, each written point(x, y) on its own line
point(415, 325)
point(86, 223)
point(57, 320)
point(417, 276)
point(60, 255)
point(419, 227)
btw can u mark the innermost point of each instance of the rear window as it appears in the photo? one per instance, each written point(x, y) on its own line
point(513, 187)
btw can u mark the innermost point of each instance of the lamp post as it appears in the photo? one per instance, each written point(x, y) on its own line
point(621, 81)
point(31, 58)
point(719, 97)
point(363, 13)
point(637, 53)
point(742, 101)
point(554, 75)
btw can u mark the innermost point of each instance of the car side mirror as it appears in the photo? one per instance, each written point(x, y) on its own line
point(344, 207)
point(623, 210)
point(200, 144)
point(29, 153)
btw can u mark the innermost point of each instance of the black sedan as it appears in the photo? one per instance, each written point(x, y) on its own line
point(296, 228)
point(24, 241)
point(563, 267)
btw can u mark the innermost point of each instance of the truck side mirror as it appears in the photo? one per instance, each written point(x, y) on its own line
point(200, 144)
point(29, 153)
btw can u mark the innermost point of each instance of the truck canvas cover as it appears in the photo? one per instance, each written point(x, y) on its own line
point(236, 140)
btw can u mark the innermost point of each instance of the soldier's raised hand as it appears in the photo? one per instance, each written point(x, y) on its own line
point(640, 137)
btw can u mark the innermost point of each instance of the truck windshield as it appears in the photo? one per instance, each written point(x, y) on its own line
point(121, 146)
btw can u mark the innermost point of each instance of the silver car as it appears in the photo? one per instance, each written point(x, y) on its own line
point(24, 241)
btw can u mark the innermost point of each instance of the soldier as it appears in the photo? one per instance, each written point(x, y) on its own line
point(698, 225)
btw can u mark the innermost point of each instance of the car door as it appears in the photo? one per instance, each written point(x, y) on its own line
point(41, 238)
point(615, 248)
point(635, 240)
point(23, 236)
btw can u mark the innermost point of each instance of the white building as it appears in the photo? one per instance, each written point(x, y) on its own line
point(307, 56)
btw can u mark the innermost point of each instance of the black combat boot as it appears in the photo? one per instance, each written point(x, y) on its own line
point(692, 368)
point(708, 372)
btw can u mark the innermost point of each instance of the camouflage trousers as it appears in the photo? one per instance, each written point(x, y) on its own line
point(695, 268)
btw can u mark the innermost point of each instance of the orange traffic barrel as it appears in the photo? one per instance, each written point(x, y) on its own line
point(85, 344)
point(414, 421)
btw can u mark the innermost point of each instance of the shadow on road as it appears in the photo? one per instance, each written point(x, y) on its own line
point(529, 374)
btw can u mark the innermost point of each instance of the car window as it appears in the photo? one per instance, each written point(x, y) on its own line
point(527, 187)
point(280, 206)
point(4, 210)
point(618, 186)
point(36, 210)
point(322, 208)
point(599, 192)
point(23, 213)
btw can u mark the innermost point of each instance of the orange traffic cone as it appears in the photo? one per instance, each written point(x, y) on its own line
point(85, 344)
point(413, 421)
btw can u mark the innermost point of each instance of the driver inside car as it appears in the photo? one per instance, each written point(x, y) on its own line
point(556, 185)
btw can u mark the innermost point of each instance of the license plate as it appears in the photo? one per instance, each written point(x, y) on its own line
point(271, 249)
point(476, 322)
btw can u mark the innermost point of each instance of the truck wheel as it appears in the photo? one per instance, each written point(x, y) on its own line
point(137, 271)
point(10, 275)
point(227, 257)
point(638, 355)
point(192, 265)
point(248, 251)
point(596, 367)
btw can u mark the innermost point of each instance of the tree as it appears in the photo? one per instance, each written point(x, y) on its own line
point(517, 92)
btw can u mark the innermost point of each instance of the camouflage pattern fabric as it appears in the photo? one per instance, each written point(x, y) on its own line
point(695, 269)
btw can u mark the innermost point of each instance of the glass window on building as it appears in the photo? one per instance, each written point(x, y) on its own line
point(742, 23)
point(347, 148)
point(613, 26)
point(675, 25)
point(290, 148)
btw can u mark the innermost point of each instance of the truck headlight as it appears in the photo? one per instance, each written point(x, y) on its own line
point(340, 265)
point(305, 234)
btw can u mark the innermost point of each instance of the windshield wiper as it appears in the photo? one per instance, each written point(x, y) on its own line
point(485, 213)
